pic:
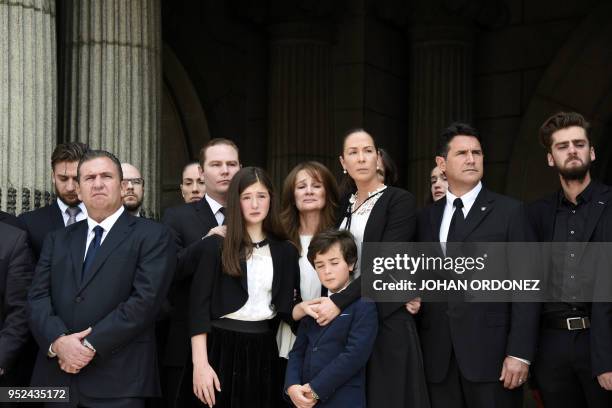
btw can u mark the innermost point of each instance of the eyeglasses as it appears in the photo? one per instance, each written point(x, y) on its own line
point(134, 181)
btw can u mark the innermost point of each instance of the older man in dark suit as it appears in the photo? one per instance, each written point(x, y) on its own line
point(97, 290)
point(475, 354)
point(190, 223)
point(16, 269)
point(67, 208)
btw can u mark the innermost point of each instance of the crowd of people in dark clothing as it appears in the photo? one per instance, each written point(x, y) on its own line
point(249, 296)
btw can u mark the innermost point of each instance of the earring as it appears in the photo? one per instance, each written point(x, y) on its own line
point(377, 168)
point(344, 171)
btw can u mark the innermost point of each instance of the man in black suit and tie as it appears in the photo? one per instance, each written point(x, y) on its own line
point(190, 223)
point(16, 269)
point(67, 208)
point(476, 355)
point(10, 220)
point(96, 293)
point(573, 366)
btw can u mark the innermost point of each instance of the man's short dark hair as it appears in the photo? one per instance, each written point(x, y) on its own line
point(562, 120)
point(68, 152)
point(96, 154)
point(323, 241)
point(455, 129)
point(215, 142)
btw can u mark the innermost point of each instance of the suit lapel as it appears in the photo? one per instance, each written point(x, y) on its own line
point(56, 217)
point(115, 236)
point(598, 204)
point(374, 226)
point(480, 209)
point(205, 214)
point(78, 239)
point(435, 218)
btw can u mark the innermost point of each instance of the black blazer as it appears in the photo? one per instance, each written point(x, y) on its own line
point(38, 223)
point(215, 294)
point(10, 220)
point(393, 219)
point(599, 228)
point(16, 270)
point(189, 223)
point(481, 334)
point(119, 299)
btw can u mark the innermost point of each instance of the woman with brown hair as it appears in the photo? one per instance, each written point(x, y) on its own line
point(243, 285)
point(309, 201)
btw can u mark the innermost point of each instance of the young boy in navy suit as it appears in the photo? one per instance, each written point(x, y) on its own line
point(327, 364)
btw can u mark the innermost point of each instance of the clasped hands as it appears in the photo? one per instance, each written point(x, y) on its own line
point(72, 355)
point(301, 396)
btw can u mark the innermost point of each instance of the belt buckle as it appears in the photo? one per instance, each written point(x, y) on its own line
point(569, 324)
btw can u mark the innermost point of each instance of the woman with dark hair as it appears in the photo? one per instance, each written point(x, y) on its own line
point(438, 186)
point(387, 170)
point(243, 285)
point(375, 212)
point(308, 205)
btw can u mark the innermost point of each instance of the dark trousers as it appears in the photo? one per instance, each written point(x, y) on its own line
point(455, 391)
point(563, 371)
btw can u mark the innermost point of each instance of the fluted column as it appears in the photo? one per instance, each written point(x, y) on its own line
point(440, 91)
point(112, 90)
point(300, 97)
point(27, 111)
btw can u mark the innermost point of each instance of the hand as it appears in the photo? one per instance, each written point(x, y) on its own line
point(514, 373)
point(72, 355)
point(605, 380)
point(300, 396)
point(218, 230)
point(327, 311)
point(414, 305)
point(310, 307)
point(205, 381)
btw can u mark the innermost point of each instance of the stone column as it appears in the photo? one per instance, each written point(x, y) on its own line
point(440, 91)
point(27, 111)
point(112, 87)
point(300, 98)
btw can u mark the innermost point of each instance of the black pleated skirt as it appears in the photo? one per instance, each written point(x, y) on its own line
point(248, 369)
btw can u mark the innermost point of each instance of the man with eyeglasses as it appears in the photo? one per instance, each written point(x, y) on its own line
point(133, 189)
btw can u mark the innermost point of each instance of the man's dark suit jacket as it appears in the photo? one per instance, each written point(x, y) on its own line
point(332, 358)
point(10, 220)
point(16, 270)
point(119, 299)
point(481, 334)
point(38, 223)
point(599, 228)
point(188, 223)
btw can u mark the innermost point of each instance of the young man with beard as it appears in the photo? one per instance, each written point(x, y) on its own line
point(67, 208)
point(190, 223)
point(133, 189)
point(573, 366)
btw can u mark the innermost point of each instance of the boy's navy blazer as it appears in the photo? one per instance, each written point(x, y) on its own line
point(332, 358)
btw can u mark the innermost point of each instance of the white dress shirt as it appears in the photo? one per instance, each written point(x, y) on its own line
point(106, 225)
point(215, 207)
point(468, 201)
point(79, 217)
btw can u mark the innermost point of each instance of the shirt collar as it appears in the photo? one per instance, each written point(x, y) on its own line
point(214, 205)
point(468, 198)
point(329, 292)
point(106, 223)
point(62, 206)
point(584, 197)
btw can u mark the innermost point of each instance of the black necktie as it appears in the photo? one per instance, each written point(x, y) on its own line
point(91, 251)
point(457, 222)
point(222, 211)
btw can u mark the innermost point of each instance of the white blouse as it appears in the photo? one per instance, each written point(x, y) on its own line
point(260, 272)
point(359, 219)
point(310, 288)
